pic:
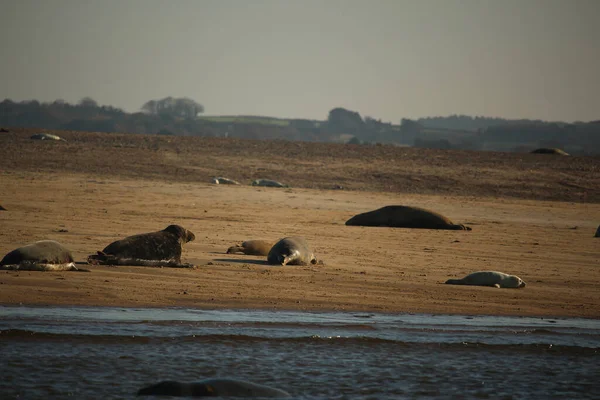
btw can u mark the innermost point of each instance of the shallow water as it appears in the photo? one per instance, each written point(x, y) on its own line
point(109, 353)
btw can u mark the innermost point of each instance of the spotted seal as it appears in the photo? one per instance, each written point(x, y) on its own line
point(490, 278)
point(252, 248)
point(268, 183)
point(155, 249)
point(212, 387)
point(404, 217)
point(43, 255)
point(223, 181)
point(291, 251)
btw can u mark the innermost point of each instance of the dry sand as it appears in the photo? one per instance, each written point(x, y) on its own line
point(532, 215)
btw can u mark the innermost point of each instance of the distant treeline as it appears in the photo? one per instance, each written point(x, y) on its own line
point(180, 116)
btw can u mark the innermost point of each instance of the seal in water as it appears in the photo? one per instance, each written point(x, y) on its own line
point(545, 150)
point(291, 251)
point(46, 136)
point(44, 255)
point(268, 183)
point(252, 248)
point(155, 249)
point(405, 217)
point(212, 387)
point(490, 278)
point(224, 181)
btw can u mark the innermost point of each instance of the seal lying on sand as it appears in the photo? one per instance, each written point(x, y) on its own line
point(155, 249)
point(597, 232)
point(45, 255)
point(490, 278)
point(46, 136)
point(224, 181)
point(268, 183)
point(404, 217)
point(545, 150)
point(212, 387)
point(252, 248)
point(291, 251)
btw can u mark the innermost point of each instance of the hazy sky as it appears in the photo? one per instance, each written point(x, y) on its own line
point(300, 58)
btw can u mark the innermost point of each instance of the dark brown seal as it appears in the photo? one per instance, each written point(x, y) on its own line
point(405, 217)
point(155, 249)
point(44, 255)
point(252, 248)
point(212, 387)
point(545, 150)
point(291, 251)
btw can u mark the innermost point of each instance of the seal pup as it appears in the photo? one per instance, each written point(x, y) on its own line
point(545, 150)
point(223, 181)
point(43, 255)
point(252, 248)
point(490, 278)
point(212, 387)
point(404, 217)
point(155, 249)
point(291, 251)
point(46, 136)
point(268, 183)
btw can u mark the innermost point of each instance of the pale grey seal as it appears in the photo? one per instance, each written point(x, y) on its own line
point(224, 181)
point(405, 217)
point(490, 278)
point(291, 251)
point(212, 387)
point(155, 249)
point(44, 255)
point(252, 248)
point(46, 136)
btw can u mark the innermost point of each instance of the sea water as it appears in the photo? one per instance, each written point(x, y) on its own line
point(110, 353)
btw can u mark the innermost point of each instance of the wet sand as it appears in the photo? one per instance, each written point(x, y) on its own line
point(88, 192)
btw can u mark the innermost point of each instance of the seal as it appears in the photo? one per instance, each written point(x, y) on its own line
point(46, 136)
point(212, 387)
point(223, 181)
point(490, 278)
point(2, 208)
point(44, 255)
point(405, 217)
point(268, 183)
point(545, 150)
point(252, 248)
point(155, 249)
point(597, 232)
point(291, 251)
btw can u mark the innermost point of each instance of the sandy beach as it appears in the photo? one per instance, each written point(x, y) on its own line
point(532, 215)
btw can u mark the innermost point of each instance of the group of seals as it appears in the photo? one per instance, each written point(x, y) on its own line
point(490, 278)
point(162, 248)
point(291, 250)
point(405, 217)
point(156, 249)
point(44, 255)
point(212, 387)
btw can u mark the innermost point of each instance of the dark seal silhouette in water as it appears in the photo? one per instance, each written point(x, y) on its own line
point(44, 255)
point(291, 251)
point(490, 278)
point(252, 248)
point(546, 150)
point(212, 387)
point(405, 217)
point(155, 249)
